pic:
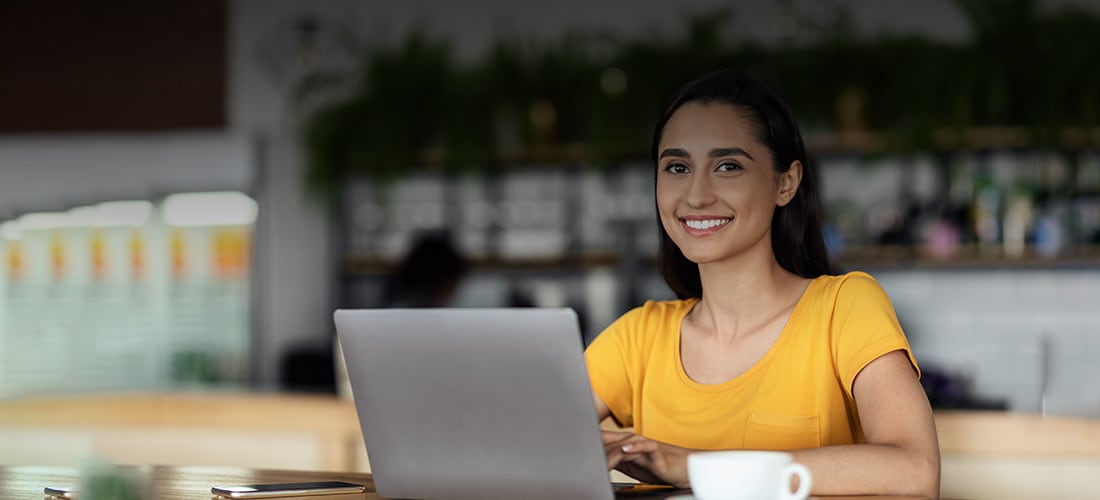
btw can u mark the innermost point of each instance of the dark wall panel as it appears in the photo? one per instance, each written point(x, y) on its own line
point(111, 65)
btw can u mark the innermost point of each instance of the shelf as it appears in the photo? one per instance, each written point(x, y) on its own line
point(968, 257)
point(366, 265)
point(874, 256)
point(949, 139)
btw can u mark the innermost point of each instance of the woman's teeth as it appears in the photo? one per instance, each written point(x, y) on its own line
point(705, 224)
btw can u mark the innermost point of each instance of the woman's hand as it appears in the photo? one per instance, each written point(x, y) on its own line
point(646, 460)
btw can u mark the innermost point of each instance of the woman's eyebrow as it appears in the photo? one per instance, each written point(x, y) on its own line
point(714, 153)
point(677, 152)
point(720, 152)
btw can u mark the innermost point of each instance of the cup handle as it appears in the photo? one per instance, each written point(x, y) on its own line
point(805, 482)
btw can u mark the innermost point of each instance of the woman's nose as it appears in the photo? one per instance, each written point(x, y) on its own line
point(700, 192)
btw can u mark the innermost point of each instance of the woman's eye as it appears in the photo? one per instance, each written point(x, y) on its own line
point(728, 167)
point(676, 168)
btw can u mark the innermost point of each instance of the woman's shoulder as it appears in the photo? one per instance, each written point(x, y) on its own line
point(849, 287)
point(851, 279)
point(855, 284)
point(645, 324)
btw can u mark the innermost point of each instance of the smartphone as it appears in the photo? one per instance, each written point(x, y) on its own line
point(59, 492)
point(645, 491)
point(287, 489)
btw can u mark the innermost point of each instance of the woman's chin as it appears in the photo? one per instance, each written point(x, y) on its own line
point(701, 257)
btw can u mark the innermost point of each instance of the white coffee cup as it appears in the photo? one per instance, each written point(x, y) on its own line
point(747, 475)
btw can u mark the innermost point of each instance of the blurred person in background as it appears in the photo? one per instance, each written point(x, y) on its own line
point(767, 347)
point(427, 276)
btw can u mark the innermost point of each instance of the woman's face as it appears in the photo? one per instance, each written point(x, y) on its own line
point(716, 187)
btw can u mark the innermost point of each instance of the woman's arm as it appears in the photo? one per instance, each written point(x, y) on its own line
point(902, 454)
point(602, 411)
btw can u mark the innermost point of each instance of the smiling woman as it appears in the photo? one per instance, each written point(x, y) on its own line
point(716, 200)
point(766, 347)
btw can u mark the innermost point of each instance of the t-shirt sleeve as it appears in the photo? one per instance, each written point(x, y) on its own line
point(609, 368)
point(864, 327)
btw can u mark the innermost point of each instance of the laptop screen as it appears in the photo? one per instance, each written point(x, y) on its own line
point(474, 403)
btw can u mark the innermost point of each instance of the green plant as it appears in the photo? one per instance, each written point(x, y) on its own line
point(591, 98)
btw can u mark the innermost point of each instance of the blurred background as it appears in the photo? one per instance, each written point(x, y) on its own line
point(188, 189)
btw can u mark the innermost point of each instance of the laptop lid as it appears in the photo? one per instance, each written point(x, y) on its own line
point(474, 403)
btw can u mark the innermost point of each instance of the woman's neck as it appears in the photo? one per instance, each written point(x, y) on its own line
point(739, 293)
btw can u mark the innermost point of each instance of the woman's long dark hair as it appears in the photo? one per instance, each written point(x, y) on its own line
point(797, 239)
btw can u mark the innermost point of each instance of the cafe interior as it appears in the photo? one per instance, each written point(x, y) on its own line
point(188, 190)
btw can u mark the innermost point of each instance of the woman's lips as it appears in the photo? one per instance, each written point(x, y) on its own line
point(702, 226)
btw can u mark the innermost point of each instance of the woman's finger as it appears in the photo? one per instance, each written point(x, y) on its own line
point(638, 447)
point(629, 449)
point(618, 459)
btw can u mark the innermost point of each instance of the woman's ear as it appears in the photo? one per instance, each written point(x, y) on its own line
point(788, 183)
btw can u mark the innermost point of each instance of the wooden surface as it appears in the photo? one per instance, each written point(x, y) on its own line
point(180, 483)
point(1012, 455)
point(961, 432)
point(255, 430)
point(246, 410)
point(1016, 434)
point(985, 454)
point(170, 483)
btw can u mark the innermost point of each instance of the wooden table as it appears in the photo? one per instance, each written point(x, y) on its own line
point(172, 482)
point(248, 429)
point(182, 482)
point(985, 454)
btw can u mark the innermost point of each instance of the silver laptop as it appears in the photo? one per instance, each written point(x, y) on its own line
point(474, 403)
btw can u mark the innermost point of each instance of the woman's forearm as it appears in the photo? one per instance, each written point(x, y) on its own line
point(878, 469)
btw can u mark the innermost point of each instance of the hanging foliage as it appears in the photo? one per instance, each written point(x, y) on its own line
point(591, 98)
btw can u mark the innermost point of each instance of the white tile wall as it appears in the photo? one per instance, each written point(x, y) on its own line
point(990, 325)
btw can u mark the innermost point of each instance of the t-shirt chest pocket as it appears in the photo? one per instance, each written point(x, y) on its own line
point(776, 431)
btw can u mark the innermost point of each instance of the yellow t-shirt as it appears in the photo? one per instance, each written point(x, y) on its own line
point(798, 395)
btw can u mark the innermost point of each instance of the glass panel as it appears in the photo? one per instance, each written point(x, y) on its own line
point(127, 296)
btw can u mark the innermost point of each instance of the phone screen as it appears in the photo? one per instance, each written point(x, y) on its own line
point(287, 489)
